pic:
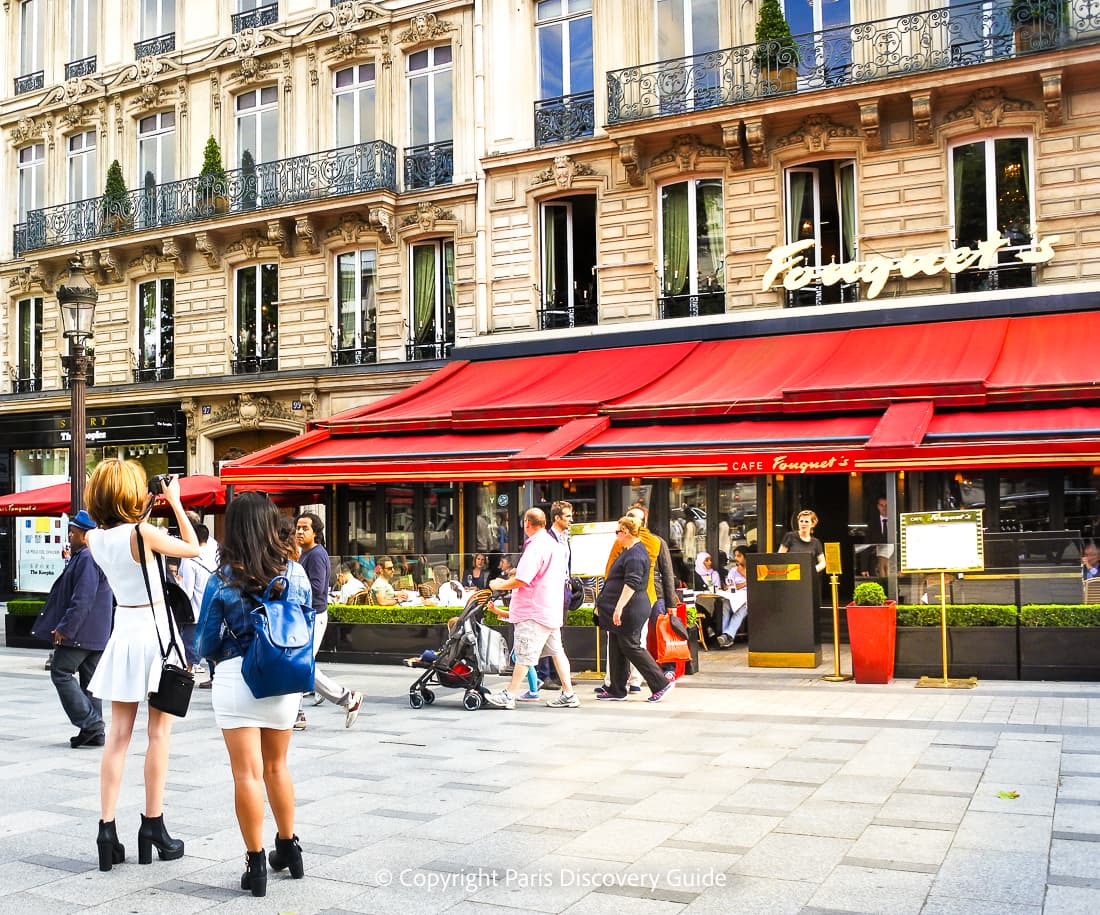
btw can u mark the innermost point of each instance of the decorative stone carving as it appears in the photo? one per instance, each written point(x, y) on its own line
point(426, 27)
point(28, 129)
point(249, 242)
point(426, 216)
point(206, 246)
point(628, 155)
point(109, 267)
point(382, 221)
point(755, 140)
point(249, 411)
point(814, 133)
point(684, 151)
point(922, 117)
point(731, 143)
point(276, 235)
point(90, 261)
point(307, 234)
point(187, 408)
point(311, 65)
point(215, 91)
point(562, 172)
point(1053, 109)
point(310, 401)
point(987, 107)
point(149, 261)
point(347, 229)
point(172, 254)
point(25, 280)
point(868, 121)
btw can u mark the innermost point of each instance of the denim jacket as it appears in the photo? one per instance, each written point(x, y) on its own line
point(226, 610)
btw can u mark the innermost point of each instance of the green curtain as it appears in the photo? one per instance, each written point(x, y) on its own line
point(847, 184)
point(958, 173)
point(798, 183)
point(709, 194)
point(424, 293)
point(345, 292)
point(550, 219)
point(674, 238)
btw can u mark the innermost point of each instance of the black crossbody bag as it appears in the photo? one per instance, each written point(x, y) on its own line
point(173, 695)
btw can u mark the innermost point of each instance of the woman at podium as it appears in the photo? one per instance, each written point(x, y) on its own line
point(803, 540)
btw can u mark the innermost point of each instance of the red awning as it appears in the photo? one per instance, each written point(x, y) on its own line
point(412, 447)
point(199, 492)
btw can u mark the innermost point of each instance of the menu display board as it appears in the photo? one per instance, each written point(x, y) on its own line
point(942, 541)
point(590, 544)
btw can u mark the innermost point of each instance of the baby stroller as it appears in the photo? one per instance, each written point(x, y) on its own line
point(472, 650)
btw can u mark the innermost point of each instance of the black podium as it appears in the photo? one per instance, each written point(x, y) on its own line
point(782, 596)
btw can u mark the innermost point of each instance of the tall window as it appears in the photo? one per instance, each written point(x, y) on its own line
point(158, 17)
point(692, 249)
point(257, 348)
point(982, 31)
point(83, 179)
point(356, 315)
point(30, 36)
point(563, 34)
point(568, 259)
point(832, 52)
point(32, 179)
point(157, 148)
point(429, 160)
point(686, 28)
point(354, 98)
point(821, 205)
point(258, 125)
point(28, 368)
point(156, 330)
point(83, 28)
point(991, 192)
point(433, 311)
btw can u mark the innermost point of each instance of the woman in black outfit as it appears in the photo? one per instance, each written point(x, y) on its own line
point(623, 607)
point(804, 540)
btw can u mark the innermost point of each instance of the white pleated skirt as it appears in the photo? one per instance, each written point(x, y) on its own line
point(131, 663)
point(236, 707)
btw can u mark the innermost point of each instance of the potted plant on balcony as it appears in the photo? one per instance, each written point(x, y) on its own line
point(1036, 23)
point(248, 180)
point(871, 632)
point(212, 196)
point(117, 211)
point(777, 56)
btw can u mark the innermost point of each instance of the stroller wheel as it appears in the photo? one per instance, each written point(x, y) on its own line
point(429, 696)
point(416, 700)
point(472, 701)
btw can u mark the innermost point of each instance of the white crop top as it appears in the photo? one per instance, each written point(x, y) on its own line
point(111, 551)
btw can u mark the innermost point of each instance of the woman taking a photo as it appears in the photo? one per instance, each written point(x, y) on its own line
point(256, 731)
point(623, 607)
point(118, 499)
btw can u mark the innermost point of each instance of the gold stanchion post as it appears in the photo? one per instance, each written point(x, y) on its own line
point(946, 682)
point(836, 676)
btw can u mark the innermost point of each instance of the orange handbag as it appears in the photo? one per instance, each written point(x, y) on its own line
point(671, 646)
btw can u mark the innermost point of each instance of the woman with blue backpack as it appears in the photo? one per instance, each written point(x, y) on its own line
point(253, 566)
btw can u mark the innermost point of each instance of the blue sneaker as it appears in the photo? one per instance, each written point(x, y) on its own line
point(528, 696)
point(634, 688)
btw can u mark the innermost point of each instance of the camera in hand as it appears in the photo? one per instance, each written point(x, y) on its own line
point(159, 483)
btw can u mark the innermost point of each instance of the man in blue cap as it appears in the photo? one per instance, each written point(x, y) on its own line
point(77, 619)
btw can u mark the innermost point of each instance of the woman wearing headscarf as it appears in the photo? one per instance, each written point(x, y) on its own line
point(707, 577)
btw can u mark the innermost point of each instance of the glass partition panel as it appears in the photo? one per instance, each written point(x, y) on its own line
point(687, 511)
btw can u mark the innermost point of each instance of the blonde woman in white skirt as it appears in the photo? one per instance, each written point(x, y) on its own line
point(117, 498)
point(256, 731)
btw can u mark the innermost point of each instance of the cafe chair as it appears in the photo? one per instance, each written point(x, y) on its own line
point(359, 597)
point(1092, 591)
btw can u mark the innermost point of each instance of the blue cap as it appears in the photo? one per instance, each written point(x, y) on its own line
point(82, 520)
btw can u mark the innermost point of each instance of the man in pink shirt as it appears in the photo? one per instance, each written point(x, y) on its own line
point(537, 611)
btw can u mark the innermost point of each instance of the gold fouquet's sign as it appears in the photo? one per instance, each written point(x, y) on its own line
point(788, 263)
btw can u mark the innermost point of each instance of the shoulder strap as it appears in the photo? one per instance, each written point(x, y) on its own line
point(164, 652)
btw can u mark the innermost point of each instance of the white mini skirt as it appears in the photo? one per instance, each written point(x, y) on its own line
point(236, 707)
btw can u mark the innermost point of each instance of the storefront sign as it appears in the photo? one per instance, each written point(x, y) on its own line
point(788, 264)
point(794, 462)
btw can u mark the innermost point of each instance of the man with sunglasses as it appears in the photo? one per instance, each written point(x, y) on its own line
point(382, 592)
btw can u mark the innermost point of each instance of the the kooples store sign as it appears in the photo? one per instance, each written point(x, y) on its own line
point(798, 462)
point(789, 266)
point(119, 427)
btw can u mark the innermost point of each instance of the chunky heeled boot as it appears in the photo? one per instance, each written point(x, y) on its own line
point(152, 832)
point(255, 874)
point(111, 851)
point(287, 853)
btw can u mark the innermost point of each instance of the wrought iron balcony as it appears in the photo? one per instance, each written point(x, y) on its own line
point(29, 82)
point(438, 349)
point(553, 315)
point(691, 306)
point(162, 44)
point(254, 18)
point(252, 365)
point(429, 165)
point(366, 355)
point(559, 120)
point(315, 176)
point(26, 384)
point(83, 67)
point(163, 373)
point(961, 35)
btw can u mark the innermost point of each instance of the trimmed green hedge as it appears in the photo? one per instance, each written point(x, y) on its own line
point(957, 615)
point(25, 607)
point(1055, 615)
point(424, 616)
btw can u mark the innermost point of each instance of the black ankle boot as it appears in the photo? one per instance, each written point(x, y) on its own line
point(287, 853)
point(152, 833)
point(111, 851)
point(255, 875)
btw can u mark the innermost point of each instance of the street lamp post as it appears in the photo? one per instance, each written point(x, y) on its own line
point(77, 297)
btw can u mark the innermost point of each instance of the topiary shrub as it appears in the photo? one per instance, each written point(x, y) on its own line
point(869, 594)
point(1060, 615)
point(957, 615)
point(25, 607)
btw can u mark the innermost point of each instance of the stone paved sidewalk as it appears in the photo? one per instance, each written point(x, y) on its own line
point(746, 791)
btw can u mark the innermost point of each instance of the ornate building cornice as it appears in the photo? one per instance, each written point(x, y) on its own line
point(987, 107)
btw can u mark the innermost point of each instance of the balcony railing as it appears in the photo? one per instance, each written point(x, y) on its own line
point(429, 165)
point(366, 355)
point(957, 36)
point(28, 82)
point(162, 373)
point(162, 44)
point(26, 384)
point(559, 120)
point(554, 315)
point(254, 18)
point(438, 349)
point(316, 176)
point(691, 306)
point(83, 67)
point(252, 365)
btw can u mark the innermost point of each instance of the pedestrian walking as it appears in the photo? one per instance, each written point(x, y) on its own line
point(77, 621)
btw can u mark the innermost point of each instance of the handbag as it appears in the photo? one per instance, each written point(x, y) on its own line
point(279, 659)
point(670, 645)
point(176, 599)
point(173, 693)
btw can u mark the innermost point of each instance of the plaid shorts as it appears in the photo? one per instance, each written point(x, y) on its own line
point(534, 641)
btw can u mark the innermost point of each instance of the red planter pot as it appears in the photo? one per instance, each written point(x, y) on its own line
point(871, 635)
